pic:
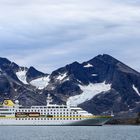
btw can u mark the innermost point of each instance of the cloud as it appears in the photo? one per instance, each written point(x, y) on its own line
point(49, 34)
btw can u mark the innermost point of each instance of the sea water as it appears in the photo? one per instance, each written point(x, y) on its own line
point(108, 132)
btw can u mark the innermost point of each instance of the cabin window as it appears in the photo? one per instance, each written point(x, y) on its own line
point(4, 109)
point(6, 113)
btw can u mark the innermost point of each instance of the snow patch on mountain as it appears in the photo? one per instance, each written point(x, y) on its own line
point(62, 76)
point(136, 90)
point(67, 79)
point(40, 83)
point(94, 74)
point(0, 71)
point(88, 65)
point(22, 76)
point(88, 93)
point(79, 81)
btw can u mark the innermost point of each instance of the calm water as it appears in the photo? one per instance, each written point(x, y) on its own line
point(69, 133)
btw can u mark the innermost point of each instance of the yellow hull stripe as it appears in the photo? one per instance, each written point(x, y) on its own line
point(7, 117)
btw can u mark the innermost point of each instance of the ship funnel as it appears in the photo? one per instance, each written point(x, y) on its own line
point(8, 103)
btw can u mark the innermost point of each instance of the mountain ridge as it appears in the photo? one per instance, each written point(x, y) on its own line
point(102, 84)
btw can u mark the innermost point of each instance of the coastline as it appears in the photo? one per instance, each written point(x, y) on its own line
point(124, 121)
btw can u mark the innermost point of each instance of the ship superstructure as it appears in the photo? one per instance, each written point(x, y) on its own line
point(51, 114)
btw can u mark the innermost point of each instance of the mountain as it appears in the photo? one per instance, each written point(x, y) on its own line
point(32, 74)
point(13, 84)
point(100, 85)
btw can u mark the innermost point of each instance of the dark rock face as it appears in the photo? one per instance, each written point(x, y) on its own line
point(4, 62)
point(5, 65)
point(32, 73)
point(66, 81)
point(4, 85)
point(68, 88)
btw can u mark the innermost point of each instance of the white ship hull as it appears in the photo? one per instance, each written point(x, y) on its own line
point(85, 122)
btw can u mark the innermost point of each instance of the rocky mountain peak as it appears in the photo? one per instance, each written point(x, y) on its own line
point(33, 73)
point(4, 61)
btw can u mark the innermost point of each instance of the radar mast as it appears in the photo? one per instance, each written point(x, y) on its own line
point(49, 100)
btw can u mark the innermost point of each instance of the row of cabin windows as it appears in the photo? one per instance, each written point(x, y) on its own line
point(12, 109)
point(48, 118)
point(47, 112)
point(60, 113)
point(4, 109)
point(54, 107)
point(6, 113)
point(67, 115)
point(63, 113)
point(43, 110)
point(7, 109)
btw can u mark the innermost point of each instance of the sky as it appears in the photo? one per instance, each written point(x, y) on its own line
point(49, 34)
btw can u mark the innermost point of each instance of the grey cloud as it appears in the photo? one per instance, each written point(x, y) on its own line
point(44, 32)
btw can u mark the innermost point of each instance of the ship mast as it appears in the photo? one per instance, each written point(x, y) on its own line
point(49, 100)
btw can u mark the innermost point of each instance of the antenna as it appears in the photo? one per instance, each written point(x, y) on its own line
point(112, 114)
point(49, 99)
point(68, 104)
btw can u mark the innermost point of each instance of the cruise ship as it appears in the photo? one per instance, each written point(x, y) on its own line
point(11, 113)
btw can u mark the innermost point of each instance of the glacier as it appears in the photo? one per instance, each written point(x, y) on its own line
point(40, 83)
point(89, 92)
point(21, 75)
